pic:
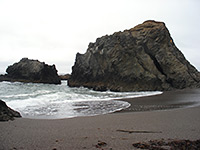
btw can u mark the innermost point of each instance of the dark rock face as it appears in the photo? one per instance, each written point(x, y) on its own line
point(7, 113)
point(32, 71)
point(142, 58)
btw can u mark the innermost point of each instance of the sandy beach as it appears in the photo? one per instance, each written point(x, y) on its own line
point(172, 115)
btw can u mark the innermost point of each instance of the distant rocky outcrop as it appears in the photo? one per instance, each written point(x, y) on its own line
point(27, 70)
point(64, 77)
point(7, 113)
point(140, 59)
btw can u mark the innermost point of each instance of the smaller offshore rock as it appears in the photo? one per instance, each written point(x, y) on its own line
point(7, 113)
point(64, 77)
point(34, 71)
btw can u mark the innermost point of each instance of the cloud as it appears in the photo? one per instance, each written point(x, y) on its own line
point(54, 31)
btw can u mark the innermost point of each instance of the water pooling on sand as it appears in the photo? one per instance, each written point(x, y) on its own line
point(48, 101)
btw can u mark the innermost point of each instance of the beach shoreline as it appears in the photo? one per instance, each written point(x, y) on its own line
point(110, 131)
point(166, 101)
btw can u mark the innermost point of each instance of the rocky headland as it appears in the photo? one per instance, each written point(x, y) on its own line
point(27, 70)
point(6, 113)
point(140, 59)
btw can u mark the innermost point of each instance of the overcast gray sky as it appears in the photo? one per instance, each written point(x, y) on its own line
point(53, 31)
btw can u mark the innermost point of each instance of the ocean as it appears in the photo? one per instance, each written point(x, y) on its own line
point(49, 101)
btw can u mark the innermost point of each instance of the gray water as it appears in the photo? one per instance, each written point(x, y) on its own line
point(48, 101)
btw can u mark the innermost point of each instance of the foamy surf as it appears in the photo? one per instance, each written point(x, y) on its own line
point(47, 101)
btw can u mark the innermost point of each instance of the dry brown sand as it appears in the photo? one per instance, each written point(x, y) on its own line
point(116, 131)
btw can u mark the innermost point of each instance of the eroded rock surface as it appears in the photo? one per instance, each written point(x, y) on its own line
point(140, 59)
point(27, 70)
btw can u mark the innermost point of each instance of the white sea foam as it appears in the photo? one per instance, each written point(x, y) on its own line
point(59, 101)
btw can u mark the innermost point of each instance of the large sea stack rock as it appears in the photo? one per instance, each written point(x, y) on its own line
point(140, 59)
point(34, 71)
point(6, 113)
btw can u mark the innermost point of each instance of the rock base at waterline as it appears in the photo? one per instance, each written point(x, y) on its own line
point(7, 113)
